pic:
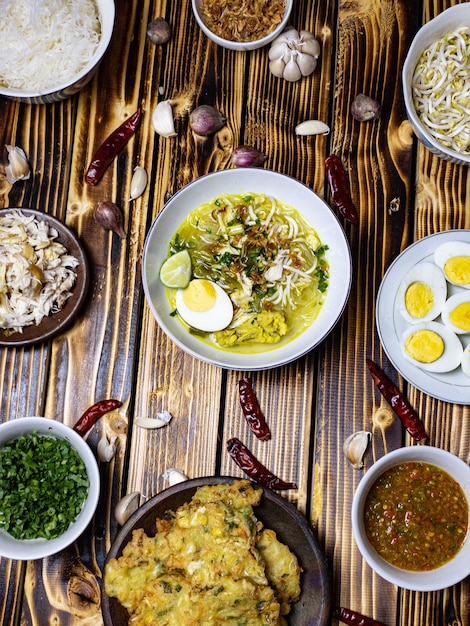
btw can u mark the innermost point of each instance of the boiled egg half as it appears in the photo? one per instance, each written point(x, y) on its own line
point(422, 293)
point(453, 257)
point(432, 347)
point(466, 361)
point(456, 312)
point(204, 305)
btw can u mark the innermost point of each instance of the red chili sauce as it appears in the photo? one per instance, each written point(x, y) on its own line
point(416, 516)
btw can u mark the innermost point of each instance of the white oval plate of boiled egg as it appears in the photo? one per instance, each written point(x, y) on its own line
point(423, 315)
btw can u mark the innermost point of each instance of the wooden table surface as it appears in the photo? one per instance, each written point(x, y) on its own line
point(116, 349)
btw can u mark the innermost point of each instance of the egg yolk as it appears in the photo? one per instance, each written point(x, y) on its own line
point(199, 295)
point(424, 346)
point(419, 299)
point(457, 270)
point(460, 316)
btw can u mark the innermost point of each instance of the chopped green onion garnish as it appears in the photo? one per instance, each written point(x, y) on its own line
point(43, 485)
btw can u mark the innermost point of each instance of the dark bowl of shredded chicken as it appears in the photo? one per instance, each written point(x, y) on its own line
point(240, 24)
point(43, 276)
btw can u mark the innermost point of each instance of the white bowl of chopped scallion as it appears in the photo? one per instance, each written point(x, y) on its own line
point(49, 487)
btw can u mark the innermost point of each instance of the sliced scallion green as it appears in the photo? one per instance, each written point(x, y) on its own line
point(43, 484)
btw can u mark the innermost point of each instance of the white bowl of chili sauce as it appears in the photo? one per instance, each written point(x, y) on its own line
point(411, 518)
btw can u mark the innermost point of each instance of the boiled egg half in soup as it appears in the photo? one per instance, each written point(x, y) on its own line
point(453, 257)
point(431, 346)
point(422, 293)
point(456, 312)
point(204, 305)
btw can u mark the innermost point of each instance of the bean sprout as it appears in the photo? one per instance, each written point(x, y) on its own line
point(441, 90)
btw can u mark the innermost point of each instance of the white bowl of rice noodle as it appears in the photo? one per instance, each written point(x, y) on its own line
point(272, 245)
point(52, 48)
point(436, 87)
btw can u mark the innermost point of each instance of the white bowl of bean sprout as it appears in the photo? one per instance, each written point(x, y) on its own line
point(272, 246)
point(436, 88)
point(53, 53)
point(244, 25)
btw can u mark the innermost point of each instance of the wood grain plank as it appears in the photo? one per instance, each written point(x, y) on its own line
point(377, 158)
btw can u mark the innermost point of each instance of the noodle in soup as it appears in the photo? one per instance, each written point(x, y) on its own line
point(266, 257)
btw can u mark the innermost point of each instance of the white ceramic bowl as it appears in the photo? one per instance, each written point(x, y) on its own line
point(236, 45)
point(285, 189)
point(448, 574)
point(64, 90)
point(449, 20)
point(39, 548)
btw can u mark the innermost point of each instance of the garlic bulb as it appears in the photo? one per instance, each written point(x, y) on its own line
point(293, 54)
point(355, 447)
point(162, 119)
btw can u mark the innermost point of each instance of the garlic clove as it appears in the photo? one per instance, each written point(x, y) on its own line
point(311, 47)
point(292, 71)
point(162, 419)
point(106, 448)
point(174, 476)
point(355, 447)
point(278, 50)
point(18, 166)
point(162, 119)
point(312, 127)
point(138, 183)
point(276, 67)
point(306, 63)
point(126, 506)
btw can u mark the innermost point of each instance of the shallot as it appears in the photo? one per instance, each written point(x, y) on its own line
point(247, 156)
point(109, 215)
point(159, 31)
point(206, 120)
point(364, 108)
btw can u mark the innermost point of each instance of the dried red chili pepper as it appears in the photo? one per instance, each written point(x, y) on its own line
point(353, 618)
point(403, 409)
point(252, 410)
point(339, 188)
point(110, 148)
point(93, 413)
point(253, 468)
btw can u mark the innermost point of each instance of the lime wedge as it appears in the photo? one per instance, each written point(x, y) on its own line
point(176, 270)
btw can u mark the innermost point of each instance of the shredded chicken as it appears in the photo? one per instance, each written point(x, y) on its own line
point(243, 20)
point(36, 272)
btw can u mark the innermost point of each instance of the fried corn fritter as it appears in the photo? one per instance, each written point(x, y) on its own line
point(211, 563)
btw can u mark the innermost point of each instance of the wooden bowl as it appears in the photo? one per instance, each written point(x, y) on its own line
point(313, 607)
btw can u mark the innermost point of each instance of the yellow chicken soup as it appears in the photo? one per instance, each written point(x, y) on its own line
point(266, 257)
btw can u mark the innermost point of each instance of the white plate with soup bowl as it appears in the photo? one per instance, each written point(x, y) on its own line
point(27, 549)
point(446, 575)
point(285, 189)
